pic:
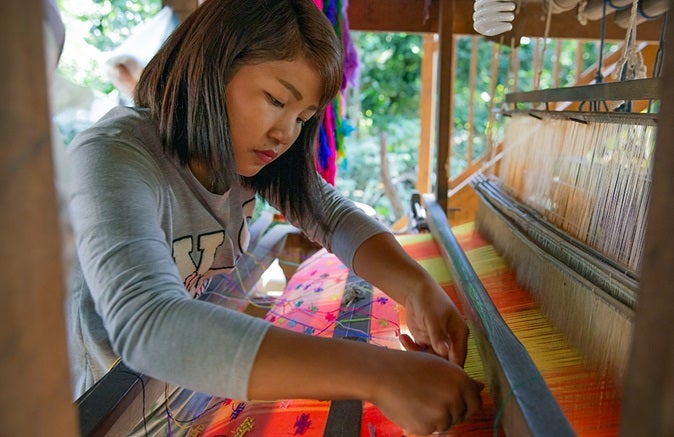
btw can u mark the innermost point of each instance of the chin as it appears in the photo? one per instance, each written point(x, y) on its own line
point(249, 172)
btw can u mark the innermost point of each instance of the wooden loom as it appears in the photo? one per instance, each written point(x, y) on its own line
point(542, 382)
point(613, 272)
point(567, 209)
point(32, 350)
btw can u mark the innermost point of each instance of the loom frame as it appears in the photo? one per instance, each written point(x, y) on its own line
point(637, 89)
point(520, 392)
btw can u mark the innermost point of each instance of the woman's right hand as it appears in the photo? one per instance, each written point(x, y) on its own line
point(419, 391)
point(424, 393)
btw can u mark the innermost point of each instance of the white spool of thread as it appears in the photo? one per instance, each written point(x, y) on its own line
point(493, 17)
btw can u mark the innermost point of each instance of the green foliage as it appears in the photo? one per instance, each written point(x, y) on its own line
point(116, 19)
point(94, 27)
point(391, 77)
point(480, 93)
point(386, 101)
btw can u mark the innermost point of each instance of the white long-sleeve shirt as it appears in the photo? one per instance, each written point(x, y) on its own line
point(149, 238)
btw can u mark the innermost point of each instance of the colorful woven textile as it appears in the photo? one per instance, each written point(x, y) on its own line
point(312, 300)
point(310, 304)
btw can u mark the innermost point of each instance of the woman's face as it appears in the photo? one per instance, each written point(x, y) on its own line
point(267, 105)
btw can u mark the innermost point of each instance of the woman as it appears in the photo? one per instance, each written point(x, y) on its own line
point(230, 107)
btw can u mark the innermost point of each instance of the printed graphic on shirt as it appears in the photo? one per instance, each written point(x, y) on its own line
point(244, 234)
point(200, 258)
point(193, 264)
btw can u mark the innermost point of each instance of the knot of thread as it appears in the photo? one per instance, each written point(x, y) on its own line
point(632, 61)
point(582, 15)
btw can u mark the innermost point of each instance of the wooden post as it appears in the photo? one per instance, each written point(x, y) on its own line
point(445, 76)
point(649, 386)
point(427, 105)
point(472, 79)
point(182, 8)
point(35, 398)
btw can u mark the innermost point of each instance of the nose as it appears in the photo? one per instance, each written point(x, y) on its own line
point(285, 132)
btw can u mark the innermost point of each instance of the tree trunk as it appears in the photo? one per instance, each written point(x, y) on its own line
point(389, 188)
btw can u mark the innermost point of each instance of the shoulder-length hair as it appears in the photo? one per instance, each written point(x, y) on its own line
point(184, 88)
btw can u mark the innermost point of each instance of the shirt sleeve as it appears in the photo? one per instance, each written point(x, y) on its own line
point(346, 225)
point(153, 324)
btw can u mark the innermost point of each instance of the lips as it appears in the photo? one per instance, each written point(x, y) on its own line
point(266, 156)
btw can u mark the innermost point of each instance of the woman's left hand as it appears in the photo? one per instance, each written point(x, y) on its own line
point(435, 324)
point(434, 321)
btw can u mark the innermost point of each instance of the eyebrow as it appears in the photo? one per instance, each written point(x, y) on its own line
point(295, 92)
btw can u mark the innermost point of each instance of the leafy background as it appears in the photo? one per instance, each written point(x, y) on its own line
point(383, 109)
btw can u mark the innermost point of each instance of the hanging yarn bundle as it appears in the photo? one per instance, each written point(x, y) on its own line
point(330, 145)
point(631, 63)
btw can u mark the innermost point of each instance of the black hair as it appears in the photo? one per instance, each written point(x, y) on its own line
point(184, 88)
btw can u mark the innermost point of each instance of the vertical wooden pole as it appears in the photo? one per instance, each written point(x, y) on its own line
point(516, 69)
point(471, 99)
point(649, 386)
point(557, 65)
point(495, 65)
point(445, 80)
point(537, 67)
point(182, 8)
point(35, 399)
point(579, 59)
point(427, 105)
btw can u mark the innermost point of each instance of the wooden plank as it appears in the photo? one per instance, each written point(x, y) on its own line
point(472, 78)
point(35, 399)
point(445, 100)
point(427, 105)
point(393, 15)
point(353, 323)
point(638, 89)
point(182, 8)
point(409, 16)
point(114, 405)
point(649, 384)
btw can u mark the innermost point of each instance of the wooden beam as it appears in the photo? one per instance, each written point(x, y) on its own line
point(445, 101)
point(530, 21)
point(36, 397)
point(526, 405)
point(393, 15)
point(412, 16)
point(649, 384)
point(182, 8)
point(427, 105)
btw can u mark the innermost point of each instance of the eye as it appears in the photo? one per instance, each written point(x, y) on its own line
point(304, 120)
point(274, 101)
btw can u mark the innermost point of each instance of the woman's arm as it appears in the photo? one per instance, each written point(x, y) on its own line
point(368, 248)
point(432, 317)
point(421, 392)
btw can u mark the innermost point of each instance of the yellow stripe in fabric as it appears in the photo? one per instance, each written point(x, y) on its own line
point(437, 268)
point(486, 261)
